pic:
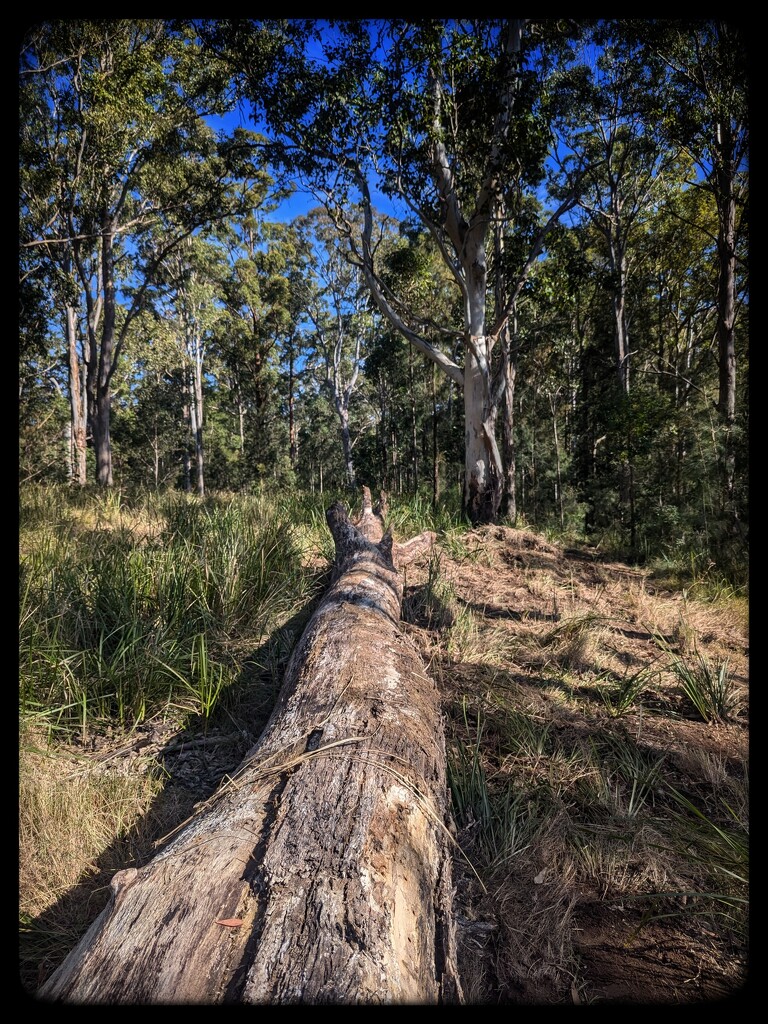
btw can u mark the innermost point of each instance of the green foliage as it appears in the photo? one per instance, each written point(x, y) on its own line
point(624, 694)
point(715, 845)
point(628, 776)
point(642, 474)
point(709, 687)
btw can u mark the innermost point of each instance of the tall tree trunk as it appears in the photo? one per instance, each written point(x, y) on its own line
point(293, 440)
point(618, 253)
point(346, 444)
point(197, 425)
point(186, 458)
point(78, 405)
point(621, 344)
point(383, 431)
point(240, 428)
point(483, 471)
point(395, 464)
point(509, 351)
point(618, 265)
point(726, 309)
point(102, 442)
point(558, 476)
point(414, 445)
point(156, 455)
point(321, 872)
point(435, 452)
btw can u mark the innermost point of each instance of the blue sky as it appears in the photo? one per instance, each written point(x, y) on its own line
point(301, 202)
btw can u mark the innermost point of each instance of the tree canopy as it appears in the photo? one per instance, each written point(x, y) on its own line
point(524, 282)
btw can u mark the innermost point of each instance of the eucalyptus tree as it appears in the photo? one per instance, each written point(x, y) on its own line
point(415, 407)
point(705, 65)
point(151, 434)
point(190, 312)
point(262, 298)
point(446, 117)
point(44, 436)
point(320, 463)
point(118, 140)
point(341, 320)
point(48, 290)
point(625, 181)
point(627, 176)
point(551, 329)
point(682, 283)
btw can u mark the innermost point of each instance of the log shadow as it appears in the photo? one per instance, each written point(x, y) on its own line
point(194, 760)
point(491, 611)
point(428, 609)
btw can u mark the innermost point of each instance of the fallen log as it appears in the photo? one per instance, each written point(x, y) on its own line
point(321, 871)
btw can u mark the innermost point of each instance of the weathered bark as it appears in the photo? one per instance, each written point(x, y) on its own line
point(321, 873)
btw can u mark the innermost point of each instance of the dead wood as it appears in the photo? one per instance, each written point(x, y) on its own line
point(321, 871)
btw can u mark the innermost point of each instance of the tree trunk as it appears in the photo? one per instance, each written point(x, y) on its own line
point(102, 442)
point(553, 397)
point(726, 314)
point(197, 423)
point(483, 473)
point(321, 872)
point(293, 438)
point(435, 454)
point(342, 411)
point(509, 356)
point(414, 445)
point(78, 403)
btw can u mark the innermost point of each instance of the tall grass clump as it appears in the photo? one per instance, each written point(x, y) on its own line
point(120, 624)
point(434, 602)
point(497, 817)
point(411, 515)
point(708, 684)
point(77, 826)
point(698, 575)
point(620, 696)
point(710, 845)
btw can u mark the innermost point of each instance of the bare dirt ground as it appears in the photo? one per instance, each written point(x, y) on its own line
point(512, 624)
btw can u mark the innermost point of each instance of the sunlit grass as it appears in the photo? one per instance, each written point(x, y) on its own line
point(118, 629)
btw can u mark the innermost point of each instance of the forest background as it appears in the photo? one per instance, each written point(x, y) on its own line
point(548, 324)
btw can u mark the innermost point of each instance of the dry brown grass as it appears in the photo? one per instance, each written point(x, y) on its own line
point(532, 692)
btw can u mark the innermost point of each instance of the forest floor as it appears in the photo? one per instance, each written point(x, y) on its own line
point(588, 881)
point(548, 627)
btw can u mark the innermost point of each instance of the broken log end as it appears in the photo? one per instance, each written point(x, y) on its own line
point(404, 554)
